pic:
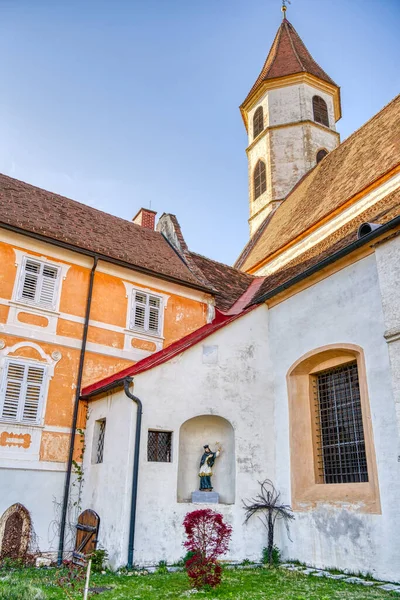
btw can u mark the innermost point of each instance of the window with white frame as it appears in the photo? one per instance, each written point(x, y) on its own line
point(38, 283)
point(22, 391)
point(146, 312)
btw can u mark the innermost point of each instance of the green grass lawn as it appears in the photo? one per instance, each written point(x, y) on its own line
point(252, 584)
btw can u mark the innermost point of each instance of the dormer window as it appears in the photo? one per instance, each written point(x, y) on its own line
point(258, 122)
point(260, 179)
point(320, 111)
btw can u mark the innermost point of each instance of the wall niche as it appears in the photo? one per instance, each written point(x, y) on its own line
point(193, 435)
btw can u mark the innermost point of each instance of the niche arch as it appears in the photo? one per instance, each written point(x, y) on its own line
point(15, 531)
point(193, 435)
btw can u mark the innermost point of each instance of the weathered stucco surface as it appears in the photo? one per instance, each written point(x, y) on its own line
point(234, 385)
point(344, 308)
point(290, 148)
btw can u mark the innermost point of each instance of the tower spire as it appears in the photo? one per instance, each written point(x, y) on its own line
point(284, 8)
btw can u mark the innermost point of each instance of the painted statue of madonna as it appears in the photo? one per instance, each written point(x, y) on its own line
point(206, 464)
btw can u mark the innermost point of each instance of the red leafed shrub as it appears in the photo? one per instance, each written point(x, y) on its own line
point(207, 537)
point(203, 571)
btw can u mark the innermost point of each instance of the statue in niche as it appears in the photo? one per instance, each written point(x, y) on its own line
point(206, 464)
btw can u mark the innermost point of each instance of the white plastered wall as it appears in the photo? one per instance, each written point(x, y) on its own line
point(344, 308)
point(228, 375)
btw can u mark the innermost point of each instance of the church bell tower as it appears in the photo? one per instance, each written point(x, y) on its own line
point(290, 115)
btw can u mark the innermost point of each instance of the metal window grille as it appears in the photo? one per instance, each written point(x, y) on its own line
point(320, 110)
point(100, 441)
point(258, 122)
point(159, 446)
point(260, 179)
point(340, 436)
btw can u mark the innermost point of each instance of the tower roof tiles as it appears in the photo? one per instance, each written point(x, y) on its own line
point(288, 56)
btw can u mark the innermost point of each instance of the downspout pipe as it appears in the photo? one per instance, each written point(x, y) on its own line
point(135, 476)
point(75, 414)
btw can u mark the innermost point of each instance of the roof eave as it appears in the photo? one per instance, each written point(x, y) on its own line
point(116, 261)
point(374, 235)
point(287, 80)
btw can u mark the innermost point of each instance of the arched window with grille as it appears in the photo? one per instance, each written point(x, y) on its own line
point(258, 122)
point(260, 179)
point(321, 154)
point(320, 110)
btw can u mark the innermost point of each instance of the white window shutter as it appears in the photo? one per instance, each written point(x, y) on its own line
point(139, 311)
point(49, 285)
point(12, 391)
point(22, 392)
point(30, 279)
point(33, 394)
point(154, 314)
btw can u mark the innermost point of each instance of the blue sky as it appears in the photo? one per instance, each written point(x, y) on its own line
point(120, 103)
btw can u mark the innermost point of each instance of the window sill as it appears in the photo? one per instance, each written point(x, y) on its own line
point(34, 308)
point(20, 424)
point(144, 335)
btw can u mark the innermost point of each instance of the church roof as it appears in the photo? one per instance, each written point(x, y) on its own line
point(346, 172)
point(228, 281)
point(288, 56)
point(381, 213)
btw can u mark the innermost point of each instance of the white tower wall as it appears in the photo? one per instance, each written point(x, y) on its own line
point(288, 144)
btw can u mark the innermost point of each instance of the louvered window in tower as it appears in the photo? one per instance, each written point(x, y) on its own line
point(22, 391)
point(320, 110)
point(260, 179)
point(39, 283)
point(258, 122)
point(146, 313)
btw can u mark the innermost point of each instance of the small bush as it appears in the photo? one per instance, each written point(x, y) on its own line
point(15, 590)
point(276, 556)
point(99, 558)
point(162, 568)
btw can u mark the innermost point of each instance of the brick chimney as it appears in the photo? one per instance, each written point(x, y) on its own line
point(145, 218)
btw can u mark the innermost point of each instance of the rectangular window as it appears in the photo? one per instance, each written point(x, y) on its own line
point(340, 439)
point(22, 392)
point(38, 283)
point(100, 433)
point(146, 313)
point(159, 446)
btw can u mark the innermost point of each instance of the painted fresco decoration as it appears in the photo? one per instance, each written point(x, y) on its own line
point(206, 464)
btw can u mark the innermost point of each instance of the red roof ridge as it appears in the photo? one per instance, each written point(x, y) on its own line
point(165, 354)
point(247, 297)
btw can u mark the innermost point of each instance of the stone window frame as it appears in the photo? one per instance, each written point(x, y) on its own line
point(307, 488)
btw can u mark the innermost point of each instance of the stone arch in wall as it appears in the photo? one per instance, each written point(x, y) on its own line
point(193, 435)
point(15, 532)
